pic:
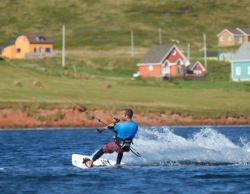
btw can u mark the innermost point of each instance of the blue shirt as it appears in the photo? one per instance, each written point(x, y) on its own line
point(126, 130)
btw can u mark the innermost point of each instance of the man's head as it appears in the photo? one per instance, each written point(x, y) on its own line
point(127, 114)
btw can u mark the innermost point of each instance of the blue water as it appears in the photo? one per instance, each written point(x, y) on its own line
point(174, 160)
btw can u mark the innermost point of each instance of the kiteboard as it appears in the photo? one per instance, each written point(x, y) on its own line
point(78, 161)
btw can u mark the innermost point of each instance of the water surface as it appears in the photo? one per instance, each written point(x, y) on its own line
point(174, 160)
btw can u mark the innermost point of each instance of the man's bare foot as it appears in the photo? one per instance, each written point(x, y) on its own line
point(89, 163)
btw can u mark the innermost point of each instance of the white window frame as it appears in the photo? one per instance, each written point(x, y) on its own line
point(230, 38)
point(249, 70)
point(197, 72)
point(238, 70)
point(150, 68)
point(165, 70)
point(239, 39)
point(222, 39)
point(173, 52)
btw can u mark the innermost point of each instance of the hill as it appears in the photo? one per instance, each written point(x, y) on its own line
point(106, 24)
point(99, 64)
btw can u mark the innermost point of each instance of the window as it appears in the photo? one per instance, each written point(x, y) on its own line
point(179, 69)
point(197, 72)
point(165, 70)
point(18, 50)
point(230, 38)
point(40, 38)
point(239, 39)
point(173, 52)
point(150, 68)
point(222, 39)
point(249, 70)
point(238, 70)
point(47, 50)
point(34, 50)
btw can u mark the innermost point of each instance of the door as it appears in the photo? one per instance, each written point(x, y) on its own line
point(41, 51)
point(165, 70)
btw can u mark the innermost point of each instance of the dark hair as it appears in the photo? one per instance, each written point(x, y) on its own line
point(128, 112)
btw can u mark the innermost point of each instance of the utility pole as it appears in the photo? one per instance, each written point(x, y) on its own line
point(160, 39)
point(132, 43)
point(205, 51)
point(63, 45)
point(188, 52)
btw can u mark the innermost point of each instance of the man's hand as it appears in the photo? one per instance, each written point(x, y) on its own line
point(117, 120)
point(110, 126)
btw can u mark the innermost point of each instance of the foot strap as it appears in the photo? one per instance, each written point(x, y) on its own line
point(85, 160)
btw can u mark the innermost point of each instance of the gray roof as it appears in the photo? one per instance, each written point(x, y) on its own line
point(192, 64)
point(213, 53)
point(239, 31)
point(41, 39)
point(243, 53)
point(37, 38)
point(235, 31)
point(246, 30)
point(156, 54)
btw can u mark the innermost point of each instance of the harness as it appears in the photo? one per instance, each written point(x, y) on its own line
point(124, 144)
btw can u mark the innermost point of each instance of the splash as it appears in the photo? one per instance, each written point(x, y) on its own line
point(161, 146)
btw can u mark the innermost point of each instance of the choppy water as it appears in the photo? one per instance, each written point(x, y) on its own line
point(174, 160)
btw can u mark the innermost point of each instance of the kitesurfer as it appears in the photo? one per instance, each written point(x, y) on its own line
point(125, 131)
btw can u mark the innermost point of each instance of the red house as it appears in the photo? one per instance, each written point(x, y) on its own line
point(164, 61)
point(196, 68)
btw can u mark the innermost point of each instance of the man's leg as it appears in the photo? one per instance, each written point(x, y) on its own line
point(119, 158)
point(98, 155)
point(107, 148)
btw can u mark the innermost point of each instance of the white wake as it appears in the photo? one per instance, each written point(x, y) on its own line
point(160, 146)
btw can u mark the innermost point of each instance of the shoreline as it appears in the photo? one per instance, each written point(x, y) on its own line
point(93, 128)
point(72, 118)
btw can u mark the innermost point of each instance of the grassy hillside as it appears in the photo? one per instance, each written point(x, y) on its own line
point(66, 88)
point(106, 24)
point(98, 55)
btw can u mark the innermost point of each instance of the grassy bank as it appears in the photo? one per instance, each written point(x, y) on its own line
point(114, 89)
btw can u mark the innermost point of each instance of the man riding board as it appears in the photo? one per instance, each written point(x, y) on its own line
point(125, 131)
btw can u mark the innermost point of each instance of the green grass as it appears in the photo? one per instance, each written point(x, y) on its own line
point(107, 24)
point(198, 98)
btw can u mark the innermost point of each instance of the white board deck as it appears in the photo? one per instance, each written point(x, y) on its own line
point(77, 160)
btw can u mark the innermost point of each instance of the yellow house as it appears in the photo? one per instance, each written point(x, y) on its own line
point(27, 46)
point(233, 37)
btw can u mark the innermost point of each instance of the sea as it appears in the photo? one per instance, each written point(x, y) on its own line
point(199, 159)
